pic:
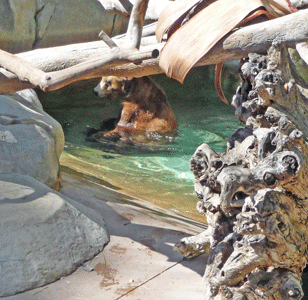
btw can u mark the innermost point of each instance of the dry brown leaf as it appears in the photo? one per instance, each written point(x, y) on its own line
point(196, 37)
point(174, 13)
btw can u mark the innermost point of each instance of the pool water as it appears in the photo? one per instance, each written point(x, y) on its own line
point(159, 174)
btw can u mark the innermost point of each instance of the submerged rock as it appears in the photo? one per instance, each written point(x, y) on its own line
point(31, 141)
point(43, 236)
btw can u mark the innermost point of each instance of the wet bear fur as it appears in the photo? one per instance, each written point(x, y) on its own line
point(146, 115)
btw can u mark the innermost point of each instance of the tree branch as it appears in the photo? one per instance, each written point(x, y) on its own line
point(254, 38)
point(109, 42)
point(135, 25)
point(64, 77)
point(25, 71)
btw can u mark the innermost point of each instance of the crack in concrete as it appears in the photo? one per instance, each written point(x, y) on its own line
point(150, 279)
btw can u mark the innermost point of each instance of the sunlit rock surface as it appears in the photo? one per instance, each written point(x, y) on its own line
point(31, 141)
point(43, 236)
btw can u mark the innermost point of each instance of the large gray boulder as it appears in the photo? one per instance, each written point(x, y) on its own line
point(31, 141)
point(42, 235)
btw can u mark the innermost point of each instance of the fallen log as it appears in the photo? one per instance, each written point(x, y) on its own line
point(236, 45)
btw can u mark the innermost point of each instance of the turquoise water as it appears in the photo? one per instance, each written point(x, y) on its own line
point(202, 118)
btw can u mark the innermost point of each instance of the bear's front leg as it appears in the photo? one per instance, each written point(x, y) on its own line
point(129, 111)
point(125, 124)
point(114, 134)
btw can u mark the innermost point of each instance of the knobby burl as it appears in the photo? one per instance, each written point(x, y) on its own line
point(254, 196)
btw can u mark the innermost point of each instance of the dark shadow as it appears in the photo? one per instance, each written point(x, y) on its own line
point(29, 183)
point(159, 239)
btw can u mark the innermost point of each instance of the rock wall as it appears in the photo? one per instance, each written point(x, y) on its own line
point(73, 21)
point(31, 24)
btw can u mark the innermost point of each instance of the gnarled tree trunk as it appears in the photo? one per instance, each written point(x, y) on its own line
point(254, 196)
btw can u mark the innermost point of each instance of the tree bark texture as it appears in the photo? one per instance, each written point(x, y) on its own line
point(254, 196)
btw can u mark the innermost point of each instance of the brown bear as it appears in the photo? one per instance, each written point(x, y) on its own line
point(146, 115)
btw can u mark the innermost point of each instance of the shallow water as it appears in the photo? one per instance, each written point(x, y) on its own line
point(157, 174)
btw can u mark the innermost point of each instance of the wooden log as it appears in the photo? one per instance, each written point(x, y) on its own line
point(258, 38)
point(254, 38)
point(25, 71)
point(135, 25)
point(64, 77)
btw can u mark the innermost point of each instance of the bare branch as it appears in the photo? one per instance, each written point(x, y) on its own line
point(64, 77)
point(109, 42)
point(25, 71)
point(302, 49)
point(135, 25)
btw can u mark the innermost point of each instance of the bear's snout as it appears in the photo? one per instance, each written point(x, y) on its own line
point(95, 92)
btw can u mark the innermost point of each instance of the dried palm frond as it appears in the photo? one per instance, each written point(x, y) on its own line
point(190, 42)
point(173, 15)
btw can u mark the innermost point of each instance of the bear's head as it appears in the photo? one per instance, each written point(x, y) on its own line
point(112, 86)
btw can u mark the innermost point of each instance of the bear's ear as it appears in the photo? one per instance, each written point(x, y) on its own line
point(129, 78)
